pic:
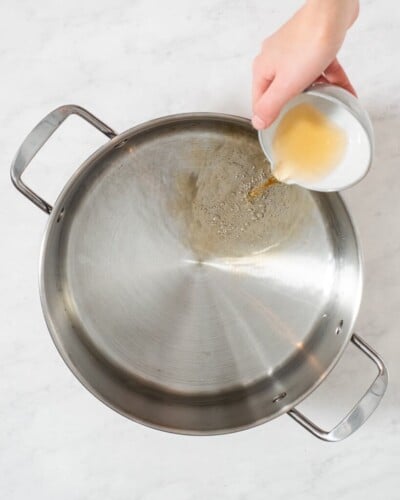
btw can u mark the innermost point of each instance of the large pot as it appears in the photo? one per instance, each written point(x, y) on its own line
point(167, 310)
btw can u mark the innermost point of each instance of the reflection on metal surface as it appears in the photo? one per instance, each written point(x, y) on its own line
point(38, 137)
point(170, 314)
point(361, 411)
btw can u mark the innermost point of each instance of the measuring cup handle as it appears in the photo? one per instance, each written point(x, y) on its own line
point(38, 137)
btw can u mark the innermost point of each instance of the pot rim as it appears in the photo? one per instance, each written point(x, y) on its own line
point(118, 141)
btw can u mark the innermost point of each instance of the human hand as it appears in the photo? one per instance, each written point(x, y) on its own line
point(301, 52)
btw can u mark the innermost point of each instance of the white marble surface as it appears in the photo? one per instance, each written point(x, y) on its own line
point(128, 61)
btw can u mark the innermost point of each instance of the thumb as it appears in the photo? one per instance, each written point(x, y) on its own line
point(271, 102)
point(336, 75)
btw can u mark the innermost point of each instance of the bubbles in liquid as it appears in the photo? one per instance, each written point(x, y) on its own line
point(220, 218)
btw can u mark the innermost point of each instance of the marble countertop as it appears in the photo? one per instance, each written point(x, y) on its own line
point(128, 61)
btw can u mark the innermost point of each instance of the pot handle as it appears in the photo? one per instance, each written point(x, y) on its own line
point(361, 411)
point(38, 137)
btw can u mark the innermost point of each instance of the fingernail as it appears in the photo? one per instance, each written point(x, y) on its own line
point(258, 123)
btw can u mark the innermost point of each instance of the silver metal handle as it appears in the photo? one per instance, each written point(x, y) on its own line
point(361, 411)
point(38, 137)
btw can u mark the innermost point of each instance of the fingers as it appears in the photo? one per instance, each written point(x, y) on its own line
point(269, 97)
point(336, 75)
point(262, 79)
point(269, 105)
point(321, 79)
point(260, 85)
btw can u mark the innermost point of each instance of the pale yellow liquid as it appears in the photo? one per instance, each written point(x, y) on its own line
point(307, 145)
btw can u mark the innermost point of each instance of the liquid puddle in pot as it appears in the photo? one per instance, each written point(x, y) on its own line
point(231, 208)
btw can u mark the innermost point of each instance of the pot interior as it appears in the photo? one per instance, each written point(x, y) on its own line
point(183, 302)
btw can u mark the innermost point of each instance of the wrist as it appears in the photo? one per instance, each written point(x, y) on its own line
point(340, 13)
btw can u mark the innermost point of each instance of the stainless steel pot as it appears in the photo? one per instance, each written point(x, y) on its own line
point(167, 310)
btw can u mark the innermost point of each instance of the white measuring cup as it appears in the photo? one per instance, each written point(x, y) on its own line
point(344, 110)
